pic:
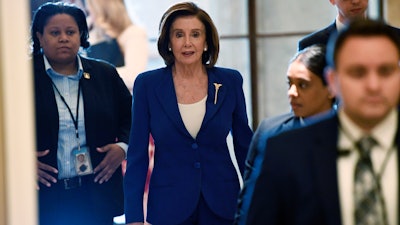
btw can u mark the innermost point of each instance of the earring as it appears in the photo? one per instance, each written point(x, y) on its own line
point(205, 49)
point(169, 49)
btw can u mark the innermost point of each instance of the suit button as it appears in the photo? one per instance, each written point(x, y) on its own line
point(197, 165)
point(195, 145)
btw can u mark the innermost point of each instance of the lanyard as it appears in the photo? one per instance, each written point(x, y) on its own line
point(74, 120)
point(378, 175)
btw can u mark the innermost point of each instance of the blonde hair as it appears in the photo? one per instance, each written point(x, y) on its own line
point(109, 14)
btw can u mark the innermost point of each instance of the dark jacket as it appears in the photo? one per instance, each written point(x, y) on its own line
point(269, 127)
point(298, 184)
point(322, 36)
point(317, 37)
point(107, 107)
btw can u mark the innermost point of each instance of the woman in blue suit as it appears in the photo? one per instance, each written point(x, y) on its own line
point(189, 107)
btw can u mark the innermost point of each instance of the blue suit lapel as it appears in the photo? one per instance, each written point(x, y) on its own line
point(166, 95)
point(325, 161)
point(212, 106)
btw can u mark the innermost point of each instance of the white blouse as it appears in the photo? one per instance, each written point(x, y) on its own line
point(192, 115)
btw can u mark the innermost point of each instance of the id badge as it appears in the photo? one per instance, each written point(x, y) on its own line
point(83, 165)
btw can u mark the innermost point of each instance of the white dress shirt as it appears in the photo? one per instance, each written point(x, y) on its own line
point(384, 134)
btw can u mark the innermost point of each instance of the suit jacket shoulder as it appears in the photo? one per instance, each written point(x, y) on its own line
point(271, 122)
point(318, 37)
point(98, 67)
point(396, 30)
point(163, 76)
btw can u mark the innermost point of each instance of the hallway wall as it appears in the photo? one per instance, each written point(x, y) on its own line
point(17, 161)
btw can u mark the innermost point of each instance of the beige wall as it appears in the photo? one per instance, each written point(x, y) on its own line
point(17, 162)
point(2, 167)
point(392, 11)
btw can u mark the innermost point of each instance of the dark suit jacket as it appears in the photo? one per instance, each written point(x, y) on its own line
point(107, 107)
point(184, 167)
point(269, 127)
point(298, 184)
point(317, 37)
point(322, 36)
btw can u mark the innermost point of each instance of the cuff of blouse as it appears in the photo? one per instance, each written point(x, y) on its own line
point(124, 147)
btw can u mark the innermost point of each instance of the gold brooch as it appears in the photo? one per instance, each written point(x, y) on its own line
point(86, 75)
point(217, 86)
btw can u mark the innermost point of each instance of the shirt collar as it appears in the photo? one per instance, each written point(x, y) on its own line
point(339, 25)
point(53, 73)
point(384, 133)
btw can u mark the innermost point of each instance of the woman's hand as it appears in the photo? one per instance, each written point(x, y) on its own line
point(113, 159)
point(42, 170)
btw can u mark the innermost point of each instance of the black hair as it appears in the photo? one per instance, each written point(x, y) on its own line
point(50, 9)
point(314, 58)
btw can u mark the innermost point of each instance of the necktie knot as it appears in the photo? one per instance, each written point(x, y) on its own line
point(365, 144)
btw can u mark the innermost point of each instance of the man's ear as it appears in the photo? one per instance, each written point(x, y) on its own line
point(331, 79)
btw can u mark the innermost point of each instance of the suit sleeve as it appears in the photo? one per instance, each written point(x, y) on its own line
point(252, 170)
point(137, 158)
point(241, 131)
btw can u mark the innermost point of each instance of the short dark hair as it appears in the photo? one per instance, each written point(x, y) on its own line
point(314, 59)
point(364, 28)
point(50, 9)
point(209, 57)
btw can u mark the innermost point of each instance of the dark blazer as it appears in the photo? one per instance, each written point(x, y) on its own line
point(184, 167)
point(107, 106)
point(298, 184)
point(317, 37)
point(322, 36)
point(269, 127)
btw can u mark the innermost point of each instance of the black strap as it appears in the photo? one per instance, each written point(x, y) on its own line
point(75, 120)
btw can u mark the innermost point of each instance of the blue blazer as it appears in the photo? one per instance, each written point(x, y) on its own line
point(107, 107)
point(184, 167)
point(298, 184)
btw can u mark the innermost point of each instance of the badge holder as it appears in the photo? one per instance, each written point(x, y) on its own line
point(83, 164)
